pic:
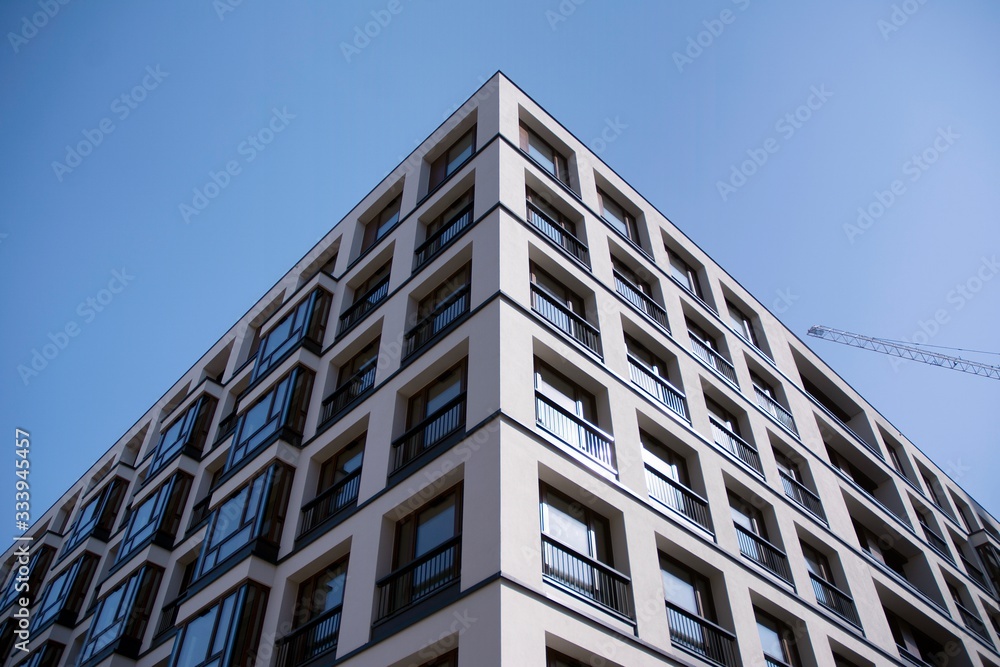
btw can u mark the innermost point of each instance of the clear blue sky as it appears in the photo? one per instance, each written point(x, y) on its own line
point(890, 87)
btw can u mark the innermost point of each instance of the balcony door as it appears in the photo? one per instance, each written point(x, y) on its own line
point(437, 395)
point(691, 593)
point(421, 533)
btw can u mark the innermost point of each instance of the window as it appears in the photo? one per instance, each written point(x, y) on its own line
point(433, 415)
point(932, 488)
point(354, 379)
point(379, 226)
point(777, 640)
point(686, 589)
point(562, 295)
point(428, 528)
point(338, 486)
point(547, 157)
point(691, 614)
point(98, 516)
point(280, 413)
point(666, 460)
point(457, 282)
point(367, 295)
point(445, 228)
point(453, 158)
point(564, 394)
point(156, 518)
point(742, 325)
point(554, 659)
point(563, 308)
point(621, 220)
point(747, 516)
point(306, 323)
point(751, 534)
point(36, 567)
point(724, 417)
point(438, 310)
point(895, 458)
point(633, 278)
point(123, 614)
point(546, 215)
point(912, 643)
point(256, 512)
point(186, 434)
point(47, 655)
point(436, 396)
point(226, 633)
point(574, 526)
point(880, 550)
point(63, 597)
point(317, 619)
point(685, 275)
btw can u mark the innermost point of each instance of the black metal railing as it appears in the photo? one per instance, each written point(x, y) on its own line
point(427, 574)
point(352, 389)
point(436, 321)
point(911, 658)
point(836, 600)
point(437, 426)
point(440, 239)
point(714, 360)
point(312, 640)
point(770, 661)
point(775, 409)
point(586, 576)
point(762, 552)
point(168, 617)
point(702, 637)
point(735, 445)
point(976, 574)
point(337, 498)
point(562, 238)
point(364, 305)
point(566, 320)
point(641, 301)
point(938, 544)
point(974, 624)
point(658, 387)
point(575, 431)
point(227, 425)
point(678, 497)
point(798, 492)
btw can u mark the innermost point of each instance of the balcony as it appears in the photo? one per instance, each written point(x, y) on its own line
point(715, 361)
point(641, 302)
point(678, 497)
point(976, 574)
point(363, 305)
point(658, 388)
point(443, 316)
point(911, 658)
point(566, 320)
point(834, 599)
point(802, 496)
point(938, 544)
point(777, 412)
point(351, 390)
point(736, 445)
point(589, 578)
point(428, 574)
point(227, 425)
point(762, 552)
point(774, 662)
point(555, 233)
point(331, 502)
point(434, 429)
point(974, 624)
point(702, 637)
point(168, 618)
point(575, 432)
point(315, 638)
point(440, 239)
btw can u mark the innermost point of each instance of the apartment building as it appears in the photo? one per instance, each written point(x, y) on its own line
point(505, 413)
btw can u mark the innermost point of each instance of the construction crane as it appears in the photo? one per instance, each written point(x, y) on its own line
point(905, 351)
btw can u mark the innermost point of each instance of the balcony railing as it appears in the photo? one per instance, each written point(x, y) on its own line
point(702, 637)
point(440, 239)
point(575, 431)
point(938, 544)
point(974, 624)
point(437, 321)
point(435, 428)
point(658, 388)
point(774, 662)
point(428, 574)
point(588, 577)
point(834, 599)
point(976, 574)
point(678, 497)
point(762, 552)
point(226, 427)
point(337, 498)
point(736, 445)
point(562, 238)
point(566, 320)
point(911, 658)
point(364, 305)
point(714, 360)
point(641, 301)
point(802, 495)
point(352, 389)
point(775, 409)
point(168, 617)
point(312, 640)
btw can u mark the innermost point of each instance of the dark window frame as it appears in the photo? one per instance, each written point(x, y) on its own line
point(283, 416)
point(308, 323)
point(191, 436)
point(448, 163)
point(166, 508)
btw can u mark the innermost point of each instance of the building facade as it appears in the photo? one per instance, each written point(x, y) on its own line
point(505, 413)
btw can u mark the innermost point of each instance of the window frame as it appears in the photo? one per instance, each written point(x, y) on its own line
point(406, 531)
point(289, 420)
point(167, 504)
point(194, 427)
point(73, 583)
point(106, 504)
point(599, 550)
point(241, 634)
point(421, 397)
point(381, 223)
point(528, 139)
point(446, 164)
point(628, 221)
point(308, 323)
point(133, 609)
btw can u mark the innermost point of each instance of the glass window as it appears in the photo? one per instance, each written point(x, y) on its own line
point(562, 294)
point(453, 158)
point(307, 322)
point(747, 516)
point(437, 395)
point(632, 277)
point(254, 512)
point(817, 563)
point(159, 513)
point(622, 221)
point(686, 589)
point(37, 567)
point(723, 416)
point(124, 612)
point(380, 225)
point(666, 460)
point(455, 283)
point(542, 153)
point(98, 515)
point(684, 274)
point(564, 393)
point(652, 362)
point(47, 655)
point(227, 633)
point(776, 639)
point(322, 593)
point(279, 413)
point(575, 526)
point(187, 432)
point(551, 213)
point(459, 208)
point(429, 527)
point(66, 592)
point(742, 324)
